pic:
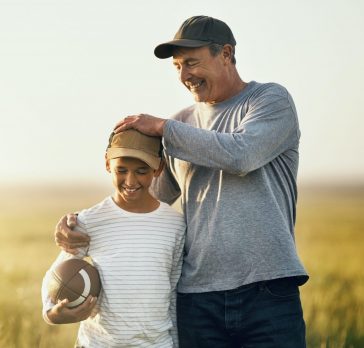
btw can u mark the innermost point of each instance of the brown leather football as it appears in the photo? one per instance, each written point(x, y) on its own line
point(74, 279)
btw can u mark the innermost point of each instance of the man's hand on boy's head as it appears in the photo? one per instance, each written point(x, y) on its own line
point(61, 314)
point(67, 239)
point(144, 123)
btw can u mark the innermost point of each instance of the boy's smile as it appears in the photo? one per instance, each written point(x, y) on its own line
point(130, 190)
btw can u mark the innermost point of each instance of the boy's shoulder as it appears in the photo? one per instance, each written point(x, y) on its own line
point(99, 209)
point(166, 208)
point(107, 206)
point(171, 216)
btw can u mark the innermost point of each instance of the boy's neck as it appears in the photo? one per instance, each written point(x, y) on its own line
point(147, 205)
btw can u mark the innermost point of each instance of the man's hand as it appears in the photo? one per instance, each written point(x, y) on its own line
point(60, 314)
point(145, 124)
point(67, 239)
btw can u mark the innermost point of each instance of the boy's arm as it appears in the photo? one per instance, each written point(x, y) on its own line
point(61, 314)
point(58, 313)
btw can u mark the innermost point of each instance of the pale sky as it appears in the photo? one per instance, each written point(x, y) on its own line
point(71, 69)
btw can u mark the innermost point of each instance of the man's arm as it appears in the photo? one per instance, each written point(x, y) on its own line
point(165, 188)
point(268, 129)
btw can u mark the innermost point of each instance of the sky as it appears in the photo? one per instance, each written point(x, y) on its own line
point(69, 70)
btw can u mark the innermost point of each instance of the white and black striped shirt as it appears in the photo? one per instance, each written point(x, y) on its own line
point(139, 258)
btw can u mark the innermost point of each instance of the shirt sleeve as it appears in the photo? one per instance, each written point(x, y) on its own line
point(63, 256)
point(268, 128)
point(165, 188)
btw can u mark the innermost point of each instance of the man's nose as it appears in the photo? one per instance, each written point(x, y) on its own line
point(184, 74)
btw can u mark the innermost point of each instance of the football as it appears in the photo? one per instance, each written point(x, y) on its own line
point(74, 279)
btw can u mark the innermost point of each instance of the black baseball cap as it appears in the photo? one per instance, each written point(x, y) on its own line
point(197, 31)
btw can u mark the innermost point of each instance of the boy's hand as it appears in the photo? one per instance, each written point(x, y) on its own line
point(67, 239)
point(60, 314)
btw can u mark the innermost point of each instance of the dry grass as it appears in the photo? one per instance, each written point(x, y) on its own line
point(330, 241)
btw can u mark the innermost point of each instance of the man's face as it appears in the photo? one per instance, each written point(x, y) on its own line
point(203, 74)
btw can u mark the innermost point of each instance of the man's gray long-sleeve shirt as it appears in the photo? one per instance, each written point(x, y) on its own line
point(234, 165)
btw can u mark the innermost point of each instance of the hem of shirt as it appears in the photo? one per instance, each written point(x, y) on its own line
point(226, 285)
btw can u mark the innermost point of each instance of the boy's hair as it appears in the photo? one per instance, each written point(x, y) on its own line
point(132, 143)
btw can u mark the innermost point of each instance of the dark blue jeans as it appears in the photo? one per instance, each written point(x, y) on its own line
point(260, 315)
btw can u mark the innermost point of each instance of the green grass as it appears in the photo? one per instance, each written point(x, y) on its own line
point(330, 241)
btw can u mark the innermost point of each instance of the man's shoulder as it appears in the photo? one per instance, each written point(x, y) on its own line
point(184, 113)
point(269, 89)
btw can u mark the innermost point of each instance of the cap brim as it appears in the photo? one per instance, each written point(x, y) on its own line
point(165, 50)
point(116, 152)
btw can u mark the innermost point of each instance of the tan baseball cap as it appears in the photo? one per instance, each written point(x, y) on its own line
point(132, 143)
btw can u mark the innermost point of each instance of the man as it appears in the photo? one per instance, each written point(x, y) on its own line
point(232, 160)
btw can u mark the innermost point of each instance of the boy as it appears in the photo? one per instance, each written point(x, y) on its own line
point(137, 246)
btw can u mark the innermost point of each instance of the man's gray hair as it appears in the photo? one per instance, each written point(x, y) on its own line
point(215, 49)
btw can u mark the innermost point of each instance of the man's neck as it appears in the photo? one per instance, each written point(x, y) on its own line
point(233, 88)
point(236, 82)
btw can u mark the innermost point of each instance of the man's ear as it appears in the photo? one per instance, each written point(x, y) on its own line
point(158, 171)
point(227, 52)
point(107, 164)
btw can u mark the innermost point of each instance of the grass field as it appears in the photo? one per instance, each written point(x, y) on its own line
point(330, 241)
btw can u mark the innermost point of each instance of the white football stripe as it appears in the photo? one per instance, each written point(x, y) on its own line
point(86, 290)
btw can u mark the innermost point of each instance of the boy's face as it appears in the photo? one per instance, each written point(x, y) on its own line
point(131, 178)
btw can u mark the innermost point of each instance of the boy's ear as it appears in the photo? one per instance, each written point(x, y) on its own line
point(107, 164)
point(158, 171)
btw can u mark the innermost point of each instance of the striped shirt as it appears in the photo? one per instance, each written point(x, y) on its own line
point(139, 258)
